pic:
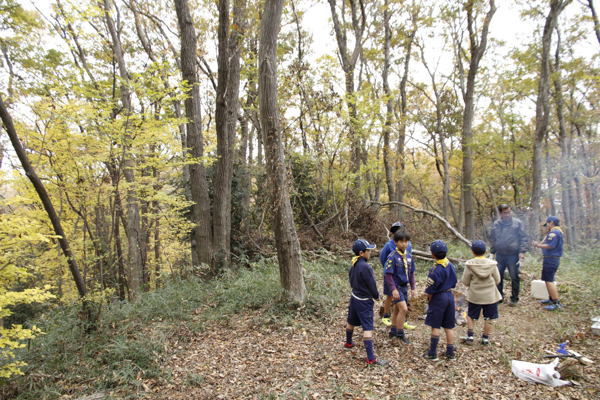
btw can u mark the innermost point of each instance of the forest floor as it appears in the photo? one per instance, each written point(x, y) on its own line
point(234, 337)
point(239, 359)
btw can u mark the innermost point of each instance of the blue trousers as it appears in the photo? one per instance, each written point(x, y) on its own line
point(509, 261)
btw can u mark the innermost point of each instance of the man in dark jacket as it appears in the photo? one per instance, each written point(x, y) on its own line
point(509, 243)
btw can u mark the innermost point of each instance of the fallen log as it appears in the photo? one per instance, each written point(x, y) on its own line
point(433, 214)
point(423, 255)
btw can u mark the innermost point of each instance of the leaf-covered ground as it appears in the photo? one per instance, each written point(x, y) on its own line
point(239, 359)
point(234, 337)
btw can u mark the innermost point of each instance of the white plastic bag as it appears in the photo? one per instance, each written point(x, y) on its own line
point(539, 373)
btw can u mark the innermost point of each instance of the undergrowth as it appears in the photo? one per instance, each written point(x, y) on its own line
point(133, 339)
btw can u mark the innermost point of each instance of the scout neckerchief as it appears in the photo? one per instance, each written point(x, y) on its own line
point(480, 257)
point(557, 228)
point(403, 257)
point(355, 259)
point(444, 263)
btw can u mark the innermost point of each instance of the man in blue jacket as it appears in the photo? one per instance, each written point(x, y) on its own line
point(509, 243)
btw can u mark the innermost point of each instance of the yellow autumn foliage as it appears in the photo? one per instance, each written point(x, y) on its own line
point(17, 234)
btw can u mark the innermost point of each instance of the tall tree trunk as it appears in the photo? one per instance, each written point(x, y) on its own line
point(286, 238)
point(46, 202)
point(550, 180)
point(226, 115)
point(564, 155)
point(595, 19)
point(177, 108)
point(199, 184)
point(133, 226)
point(542, 113)
point(476, 50)
point(387, 128)
point(348, 61)
point(119, 249)
point(439, 127)
point(580, 213)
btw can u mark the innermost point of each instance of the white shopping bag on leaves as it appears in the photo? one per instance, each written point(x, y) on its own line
point(539, 373)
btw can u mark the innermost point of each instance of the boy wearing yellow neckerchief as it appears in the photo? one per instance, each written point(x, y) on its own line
point(364, 290)
point(552, 250)
point(440, 313)
point(399, 271)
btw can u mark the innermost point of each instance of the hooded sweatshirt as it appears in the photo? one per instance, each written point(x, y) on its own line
point(481, 277)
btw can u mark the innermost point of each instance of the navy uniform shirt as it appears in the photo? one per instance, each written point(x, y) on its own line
point(441, 277)
point(362, 279)
point(554, 239)
point(389, 248)
point(395, 266)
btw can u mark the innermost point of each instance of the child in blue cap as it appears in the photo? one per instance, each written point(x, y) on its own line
point(481, 276)
point(389, 248)
point(440, 314)
point(399, 271)
point(552, 250)
point(364, 290)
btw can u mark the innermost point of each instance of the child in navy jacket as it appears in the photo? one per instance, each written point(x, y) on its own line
point(440, 314)
point(399, 271)
point(364, 290)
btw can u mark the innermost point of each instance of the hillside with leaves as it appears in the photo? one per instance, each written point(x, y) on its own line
point(149, 147)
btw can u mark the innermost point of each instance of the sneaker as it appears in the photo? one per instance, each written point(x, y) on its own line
point(468, 340)
point(554, 307)
point(386, 321)
point(514, 303)
point(377, 362)
point(408, 326)
point(484, 341)
point(392, 335)
point(403, 338)
point(450, 356)
point(432, 357)
point(548, 301)
point(348, 346)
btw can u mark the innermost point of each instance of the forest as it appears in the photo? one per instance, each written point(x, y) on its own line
point(167, 162)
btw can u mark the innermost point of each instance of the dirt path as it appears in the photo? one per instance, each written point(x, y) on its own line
point(307, 360)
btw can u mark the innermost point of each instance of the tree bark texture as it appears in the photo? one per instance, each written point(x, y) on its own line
point(198, 181)
point(565, 181)
point(133, 226)
point(286, 238)
point(387, 128)
point(226, 113)
point(401, 163)
point(595, 19)
point(441, 137)
point(542, 113)
point(476, 50)
point(46, 202)
point(348, 61)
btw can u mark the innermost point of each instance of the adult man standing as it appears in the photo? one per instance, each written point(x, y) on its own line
point(509, 243)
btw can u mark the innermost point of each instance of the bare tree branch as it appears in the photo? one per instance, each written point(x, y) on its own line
point(433, 214)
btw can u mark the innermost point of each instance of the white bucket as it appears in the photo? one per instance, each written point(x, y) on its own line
point(539, 290)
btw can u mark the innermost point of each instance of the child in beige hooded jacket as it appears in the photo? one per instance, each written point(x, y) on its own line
point(481, 276)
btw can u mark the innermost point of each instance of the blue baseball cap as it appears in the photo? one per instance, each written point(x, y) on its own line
point(552, 218)
point(438, 246)
point(362, 245)
point(396, 226)
point(478, 246)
